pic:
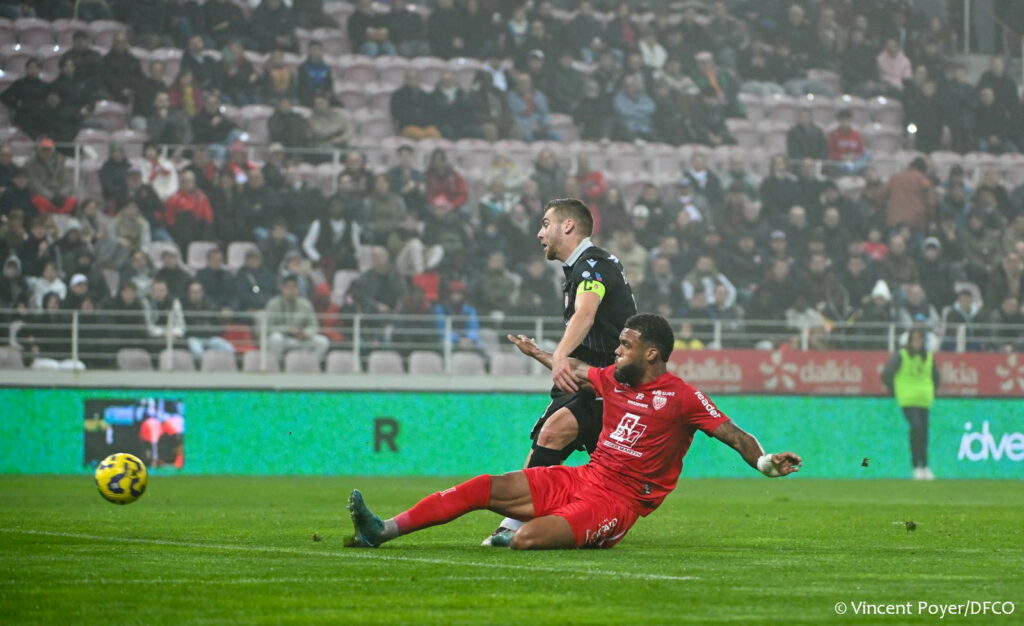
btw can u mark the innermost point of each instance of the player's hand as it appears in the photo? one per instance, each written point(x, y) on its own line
point(786, 462)
point(562, 375)
point(525, 344)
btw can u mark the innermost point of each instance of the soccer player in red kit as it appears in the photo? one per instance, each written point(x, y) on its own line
point(649, 420)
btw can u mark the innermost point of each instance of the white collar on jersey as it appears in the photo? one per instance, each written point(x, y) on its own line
point(586, 243)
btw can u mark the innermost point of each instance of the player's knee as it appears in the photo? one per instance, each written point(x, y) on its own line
point(526, 538)
point(558, 431)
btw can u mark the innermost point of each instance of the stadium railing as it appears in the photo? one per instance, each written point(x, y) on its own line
point(100, 340)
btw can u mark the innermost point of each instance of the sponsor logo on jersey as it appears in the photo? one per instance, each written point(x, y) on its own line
point(635, 403)
point(629, 430)
point(591, 262)
point(659, 402)
point(640, 396)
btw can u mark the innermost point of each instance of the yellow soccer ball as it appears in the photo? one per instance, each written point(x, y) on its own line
point(121, 478)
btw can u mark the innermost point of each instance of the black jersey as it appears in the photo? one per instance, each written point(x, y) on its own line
point(598, 271)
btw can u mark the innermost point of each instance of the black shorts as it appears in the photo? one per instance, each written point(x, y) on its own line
point(586, 407)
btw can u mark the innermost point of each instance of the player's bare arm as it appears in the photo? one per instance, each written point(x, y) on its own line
point(577, 369)
point(772, 465)
point(575, 332)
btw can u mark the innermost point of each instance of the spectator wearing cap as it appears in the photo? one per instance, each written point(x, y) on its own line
point(50, 182)
point(78, 292)
point(410, 109)
point(909, 197)
point(530, 111)
point(874, 315)
point(465, 329)
point(188, 213)
point(292, 323)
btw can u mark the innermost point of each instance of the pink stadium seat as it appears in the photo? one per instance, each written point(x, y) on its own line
point(391, 70)
point(301, 361)
point(103, 32)
point(236, 253)
point(468, 364)
point(384, 362)
point(7, 32)
point(98, 140)
point(378, 97)
point(430, 69)
point(882, 140)
point(352, 95)
point(113, 114)
point(251, 362)
point(358, 69)
point(823, 110)
point(783, 109)
point(171, 57)
point(886, 111)
point(34, 32)
point(425, 362)
point(197, 251)
point(753, 103)
point(50, 56)
point(176, 361)
point(342, 362)
point(335, 40)
point(10, 359)
point(134, 360)
point(15, 56)
point(509, 364)
point(157, 248)
point(465, 70)
point(743, 130)
point(218, 361)
point(64, 31)
point(132, 140)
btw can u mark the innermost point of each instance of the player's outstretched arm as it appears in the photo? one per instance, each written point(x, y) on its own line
point(530, 348)
point(771, 465)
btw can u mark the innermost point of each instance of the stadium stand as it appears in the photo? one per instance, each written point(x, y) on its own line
point(775, 173)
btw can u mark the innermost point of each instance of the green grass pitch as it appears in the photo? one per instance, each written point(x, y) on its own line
point(225, 550)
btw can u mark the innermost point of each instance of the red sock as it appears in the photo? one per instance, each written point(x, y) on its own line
point(444, 506)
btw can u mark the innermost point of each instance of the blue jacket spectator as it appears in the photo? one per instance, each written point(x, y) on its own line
point(635, 110)
point(530, 111)
point(314, 75)
point(465, 332)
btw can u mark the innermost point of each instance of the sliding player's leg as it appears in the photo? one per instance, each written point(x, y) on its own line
point(550, 532)
point(507, 494)
point(570, 423)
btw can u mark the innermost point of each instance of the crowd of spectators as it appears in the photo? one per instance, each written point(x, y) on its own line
point(718, 245)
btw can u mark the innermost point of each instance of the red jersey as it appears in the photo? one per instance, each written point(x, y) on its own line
point(646, 432)
point(842, 142)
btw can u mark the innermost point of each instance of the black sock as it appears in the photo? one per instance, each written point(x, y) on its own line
point(546, 457)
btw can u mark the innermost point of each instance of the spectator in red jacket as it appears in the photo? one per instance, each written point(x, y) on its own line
point(846, 146)
point(188, 213)
point(445, 186)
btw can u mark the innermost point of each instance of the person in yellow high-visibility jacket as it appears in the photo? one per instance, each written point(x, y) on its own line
point(912, 376)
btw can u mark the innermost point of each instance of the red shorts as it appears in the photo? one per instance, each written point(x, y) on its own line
point(598, 517)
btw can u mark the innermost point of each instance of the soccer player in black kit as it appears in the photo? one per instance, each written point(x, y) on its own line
point(598, 301)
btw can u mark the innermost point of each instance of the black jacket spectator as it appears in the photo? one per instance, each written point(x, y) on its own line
point(25, 95)
point(254, 285)
point(273, 27)
point(121, 70)
point(444, 28)
point(410, 106)
point(806, 140)
point(224, 21)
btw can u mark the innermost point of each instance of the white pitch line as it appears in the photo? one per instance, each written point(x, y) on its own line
point(353, 553)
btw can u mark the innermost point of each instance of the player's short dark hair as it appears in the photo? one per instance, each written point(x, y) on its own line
point(574, 209)
point(655, 330)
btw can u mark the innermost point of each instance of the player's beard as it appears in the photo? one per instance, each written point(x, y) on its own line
point(628, 374)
